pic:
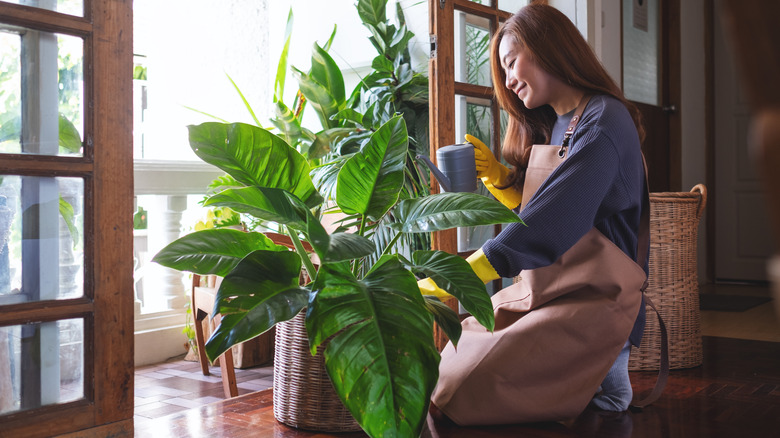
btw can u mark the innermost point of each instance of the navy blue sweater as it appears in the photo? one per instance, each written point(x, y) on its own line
point(601, 184)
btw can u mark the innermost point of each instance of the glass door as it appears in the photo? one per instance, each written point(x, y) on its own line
point(461, 92)
point(65, 217)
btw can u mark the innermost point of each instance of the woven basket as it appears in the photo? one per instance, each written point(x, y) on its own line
point(304, 397)
point(673, 283)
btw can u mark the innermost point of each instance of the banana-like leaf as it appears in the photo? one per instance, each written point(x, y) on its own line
point(287, 123)
point(261, 291)
point(324, 141)
point(348, 246)
point(448, 210)
point(319, 96)
point(453, 274)
point(372, 11)
point(214, 251)
point(325, 176)
point(275, 205)
point(445, 318)
point(370, 181)
point(327, 73)
point(281, 69)
point(382, 360)
point(246, 102)
point(254, 157)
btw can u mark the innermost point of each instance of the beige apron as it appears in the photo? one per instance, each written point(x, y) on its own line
point(558, 330)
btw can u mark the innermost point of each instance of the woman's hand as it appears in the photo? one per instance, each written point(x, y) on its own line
point(488, 168)
point(492, 173)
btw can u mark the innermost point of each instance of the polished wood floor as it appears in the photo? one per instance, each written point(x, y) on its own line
point(735, 393)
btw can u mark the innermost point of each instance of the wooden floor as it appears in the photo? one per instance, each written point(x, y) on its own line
point(735, 393)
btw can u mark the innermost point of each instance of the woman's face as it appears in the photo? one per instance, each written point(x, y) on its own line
point(523, 76)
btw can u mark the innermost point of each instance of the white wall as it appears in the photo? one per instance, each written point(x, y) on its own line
point(190, 46)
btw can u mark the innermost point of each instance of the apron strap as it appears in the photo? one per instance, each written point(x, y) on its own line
point(663, 372)
point(643, 246)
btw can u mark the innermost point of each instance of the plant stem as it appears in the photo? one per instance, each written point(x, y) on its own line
point(356, 262)
point(307, 264)
point(391, 244)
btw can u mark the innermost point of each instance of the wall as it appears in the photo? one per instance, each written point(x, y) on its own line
point(190, 46)
point(693, 110)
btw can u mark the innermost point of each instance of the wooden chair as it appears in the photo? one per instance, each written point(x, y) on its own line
point(202, 306)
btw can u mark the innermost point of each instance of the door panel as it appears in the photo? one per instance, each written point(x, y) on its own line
point(651, 75)
point(66, 318)
point(741, 219)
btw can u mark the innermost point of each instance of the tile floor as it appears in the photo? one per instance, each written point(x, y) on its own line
point(177, 385)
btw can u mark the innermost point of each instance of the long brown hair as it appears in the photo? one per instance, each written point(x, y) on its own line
point(559, 49)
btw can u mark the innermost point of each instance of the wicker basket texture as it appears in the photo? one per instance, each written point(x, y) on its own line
point(673, 283)
point(304, 397)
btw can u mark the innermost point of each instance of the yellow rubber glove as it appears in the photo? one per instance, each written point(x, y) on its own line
point(493, 173)
point(482, 267)
point(429, 287)
point(478, 262)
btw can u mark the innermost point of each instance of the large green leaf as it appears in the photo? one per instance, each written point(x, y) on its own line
point(348, 246)
point(453, 274)
point(275, 205)
point(381, 359)
point(370, 181)
point(254, 157)
point(215, 251)
point(261, 291)
point(449, 210)
point(372, 11)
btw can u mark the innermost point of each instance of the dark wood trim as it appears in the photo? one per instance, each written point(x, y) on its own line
point(111, 227)
point(709, 135)
point(49, 165)
point(45, 311)
point(472, 90)
point(674, 90)
point(48, 421)
point(42, 19)
point(441, 82)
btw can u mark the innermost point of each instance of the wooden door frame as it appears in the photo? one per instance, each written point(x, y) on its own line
point(442, 89)
point(107, 170)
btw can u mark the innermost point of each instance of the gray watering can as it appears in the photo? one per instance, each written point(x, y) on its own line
point(457, 171)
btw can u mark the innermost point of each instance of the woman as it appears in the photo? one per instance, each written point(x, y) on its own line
point(564, 329)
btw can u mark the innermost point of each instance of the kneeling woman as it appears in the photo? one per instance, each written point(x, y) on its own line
point(564, 329)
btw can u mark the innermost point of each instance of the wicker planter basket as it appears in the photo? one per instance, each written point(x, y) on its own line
point(303, 395)
point(673, 283)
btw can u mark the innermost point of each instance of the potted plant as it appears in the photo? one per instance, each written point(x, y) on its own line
point(380, 354)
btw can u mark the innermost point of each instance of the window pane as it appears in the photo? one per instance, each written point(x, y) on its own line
point(473, 116)
point(41, 364)
point(41, 228)
point(472, 57)
point(641, 51)
point(70, 7)
point(41, 92)
point(511, 5)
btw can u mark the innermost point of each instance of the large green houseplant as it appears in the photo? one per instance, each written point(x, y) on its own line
point(380, 353)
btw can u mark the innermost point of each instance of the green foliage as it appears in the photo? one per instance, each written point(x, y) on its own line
point(380, 353)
